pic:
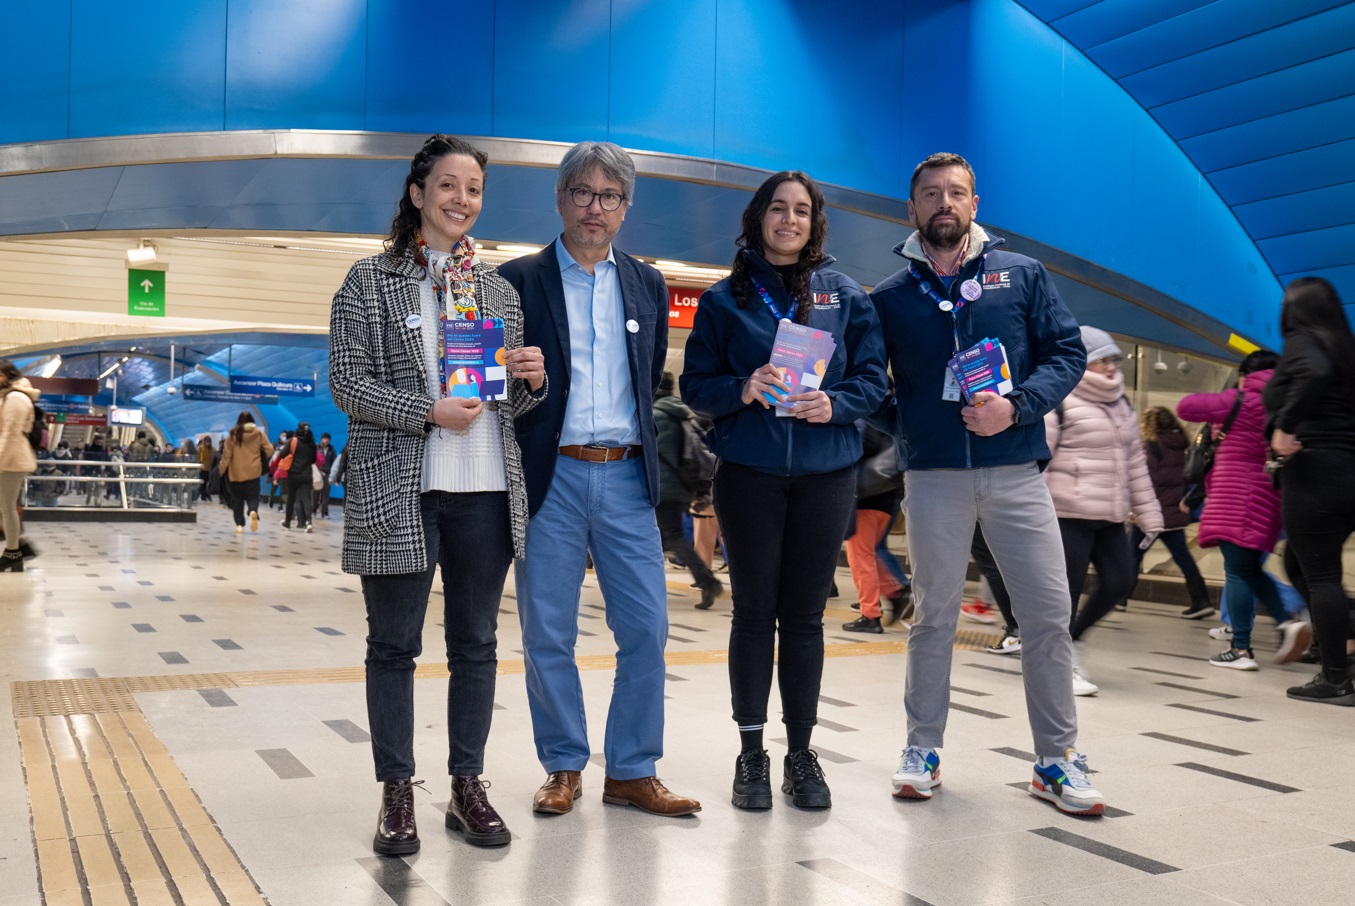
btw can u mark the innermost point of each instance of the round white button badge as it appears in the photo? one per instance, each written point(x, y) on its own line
point(970, 289)
point(413, 321)
point(633, 326)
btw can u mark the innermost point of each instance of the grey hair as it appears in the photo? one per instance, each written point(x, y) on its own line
point(615, 164)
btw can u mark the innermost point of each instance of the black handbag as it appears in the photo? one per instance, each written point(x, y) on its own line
point(1200, 456)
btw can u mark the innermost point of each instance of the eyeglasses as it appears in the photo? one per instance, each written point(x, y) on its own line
point(1110, 360)
point(583, 198)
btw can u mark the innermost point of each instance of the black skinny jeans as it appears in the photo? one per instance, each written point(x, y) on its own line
point(669, 516)
point(298, 499)
point(1319, 515)
point(473, 572)
point(244, 499)
point(1104, 545)
point(782, 535)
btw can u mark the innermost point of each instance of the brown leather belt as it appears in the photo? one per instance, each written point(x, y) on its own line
point(589, 453)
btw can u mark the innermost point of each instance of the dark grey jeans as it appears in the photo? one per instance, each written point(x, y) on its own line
point(468, 535)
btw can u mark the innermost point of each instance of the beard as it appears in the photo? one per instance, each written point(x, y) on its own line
point(945, 234)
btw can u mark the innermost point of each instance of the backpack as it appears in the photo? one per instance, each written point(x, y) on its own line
point(696, 464)
point(38, 428)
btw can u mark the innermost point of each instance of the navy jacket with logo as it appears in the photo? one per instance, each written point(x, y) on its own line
point(1021, 307)
point(729, 343)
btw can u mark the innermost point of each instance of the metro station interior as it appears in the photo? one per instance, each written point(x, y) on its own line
point(187, 703)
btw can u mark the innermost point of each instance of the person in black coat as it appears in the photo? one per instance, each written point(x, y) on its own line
point(1308, 401)
point(298, 481)
point(1164, 446)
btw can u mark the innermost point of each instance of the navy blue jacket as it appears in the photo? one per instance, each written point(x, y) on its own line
point(1021, 307)
point(729, 343)
point(644, 297)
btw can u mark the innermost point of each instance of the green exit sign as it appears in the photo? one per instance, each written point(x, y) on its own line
point(146, 293)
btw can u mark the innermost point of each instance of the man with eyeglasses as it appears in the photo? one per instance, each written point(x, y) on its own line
point(978, 462)
point(590, 457)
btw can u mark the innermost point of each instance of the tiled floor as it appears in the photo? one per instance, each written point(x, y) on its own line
point(231, 763)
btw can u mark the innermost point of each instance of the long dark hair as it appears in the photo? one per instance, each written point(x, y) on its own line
point(406, 223)
point(1312, 306)
point(750, 239)
point(238, 432)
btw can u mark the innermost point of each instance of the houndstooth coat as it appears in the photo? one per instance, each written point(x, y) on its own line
point(378, 377)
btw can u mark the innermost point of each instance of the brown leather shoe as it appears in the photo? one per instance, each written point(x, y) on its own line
point(648, 794)
point(396, 834)
point(558, 793)
point(470, 812)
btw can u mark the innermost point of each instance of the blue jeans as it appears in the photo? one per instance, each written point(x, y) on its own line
point(1244, 582)
point(468, 535)
point(601, 509)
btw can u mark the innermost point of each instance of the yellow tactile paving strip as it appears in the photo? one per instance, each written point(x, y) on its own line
point(115, 821)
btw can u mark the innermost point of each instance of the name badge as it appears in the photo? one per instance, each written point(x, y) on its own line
point(413, 321)
point(950, 390)
point(633, 326)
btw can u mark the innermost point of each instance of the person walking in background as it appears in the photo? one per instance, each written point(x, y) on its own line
point(205, 455)
point(675, 494)
point(300, 458)
point(276, 484)
point(324, 461)
point(879, 489)
point(436, 479)
point(979, 464)
point(1242, 509)
point(590, 456)
point(785, 487)
point(18, 460)
point(1098, 478)
point(1309, 401)
point(1164, 446)
point(244, 459)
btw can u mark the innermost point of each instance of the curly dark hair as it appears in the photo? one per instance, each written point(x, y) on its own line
point(405, 226)
point(1156, 421)
point(750, 240)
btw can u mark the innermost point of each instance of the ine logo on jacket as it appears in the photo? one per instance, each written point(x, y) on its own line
point(826, 301)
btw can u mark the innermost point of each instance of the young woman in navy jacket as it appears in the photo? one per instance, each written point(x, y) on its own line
point(784, 487)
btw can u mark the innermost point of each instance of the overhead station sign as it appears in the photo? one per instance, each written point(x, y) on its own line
point(222, 395)
point(280, 386)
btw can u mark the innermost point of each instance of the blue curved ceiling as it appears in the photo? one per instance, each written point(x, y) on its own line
point(1260, 95)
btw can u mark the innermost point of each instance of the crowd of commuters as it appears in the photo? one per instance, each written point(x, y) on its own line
point(593, 456)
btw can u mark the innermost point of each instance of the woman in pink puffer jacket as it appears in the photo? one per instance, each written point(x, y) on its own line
point(1098, 479)
point(1241, 508)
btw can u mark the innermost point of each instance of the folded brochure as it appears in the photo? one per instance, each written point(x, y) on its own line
point(981, 367)
point(802, 353)
point(475, 359)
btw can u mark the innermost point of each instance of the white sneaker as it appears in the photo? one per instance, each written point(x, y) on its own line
point(309, 530)
point(1081, 685)
point(1296, 636)
point(239, 530)
point(1222, 633)
point(253, 520)
point(919, 772)
point(1065, 784)
point(1009, 644)
point(1238, 659)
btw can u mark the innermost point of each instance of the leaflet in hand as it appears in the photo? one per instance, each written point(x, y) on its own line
point(981, 367)
point(802, 353)
point(475, 359)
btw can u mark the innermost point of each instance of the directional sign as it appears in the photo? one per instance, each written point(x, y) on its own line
point(63, 404)
point(222, 395)
point(146, 293)
point(281, 386)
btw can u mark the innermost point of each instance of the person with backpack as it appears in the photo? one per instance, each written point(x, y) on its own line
point(20, 437)
point(680, 482)
point(295, 467)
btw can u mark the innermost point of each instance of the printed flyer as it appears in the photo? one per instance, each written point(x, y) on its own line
point(475, 359)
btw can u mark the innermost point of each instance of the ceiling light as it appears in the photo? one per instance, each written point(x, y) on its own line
point(143, 253)
point(519, 249)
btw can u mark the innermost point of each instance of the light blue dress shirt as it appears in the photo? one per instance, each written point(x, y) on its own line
point(601, 404)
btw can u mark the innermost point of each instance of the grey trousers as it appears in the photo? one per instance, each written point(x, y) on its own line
point(1012, 504)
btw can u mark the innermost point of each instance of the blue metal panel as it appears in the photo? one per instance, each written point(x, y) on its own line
point(183, 185)
point(404, 40)
point(1289, 89)
point(1309, 169)
point(1049, 10)
point(664, 97)
point(298, 66)
point(147, 66)
point(1302, 252)
point(35, 56)
point(1271, 136)
point(1097, 23)
point(37, 197)
point(1298, 213)
point(1255, 55)
point(551, 69)
point(1208, 26)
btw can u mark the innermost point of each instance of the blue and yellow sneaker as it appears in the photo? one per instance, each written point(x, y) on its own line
point(1065, 784)
point(919, 772)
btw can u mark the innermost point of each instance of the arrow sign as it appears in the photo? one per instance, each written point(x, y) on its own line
point(222, 395)
point(280, 386)
point(146, 293)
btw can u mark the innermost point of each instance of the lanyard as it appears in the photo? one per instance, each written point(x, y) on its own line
point(767, 298)
point(947, 306)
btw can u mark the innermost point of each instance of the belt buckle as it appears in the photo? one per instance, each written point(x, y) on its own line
point(601, 448)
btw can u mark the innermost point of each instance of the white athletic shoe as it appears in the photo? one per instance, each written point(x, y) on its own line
point(1065, 784)
point(918, 774)
point(1222, 633)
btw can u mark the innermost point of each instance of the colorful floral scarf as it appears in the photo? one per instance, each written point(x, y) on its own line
point(452, 275)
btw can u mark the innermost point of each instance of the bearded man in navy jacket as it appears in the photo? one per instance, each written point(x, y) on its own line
point(589, 453)
point(979, 462)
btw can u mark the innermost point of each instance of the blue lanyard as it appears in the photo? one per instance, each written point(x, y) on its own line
point(767, 298)
point(946, 305)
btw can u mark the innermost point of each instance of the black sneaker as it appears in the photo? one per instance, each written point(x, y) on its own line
point(901, 607)
point(1199, 612)
point(752, 780)
point(803, 780)
point(1321, 689)
point(864, 624)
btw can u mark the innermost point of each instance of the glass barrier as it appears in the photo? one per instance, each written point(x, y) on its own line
point(83, 484)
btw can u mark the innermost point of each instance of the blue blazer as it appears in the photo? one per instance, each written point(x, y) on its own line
point(644, 297)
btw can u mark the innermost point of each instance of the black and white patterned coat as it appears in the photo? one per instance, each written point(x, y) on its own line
point(377, 375)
